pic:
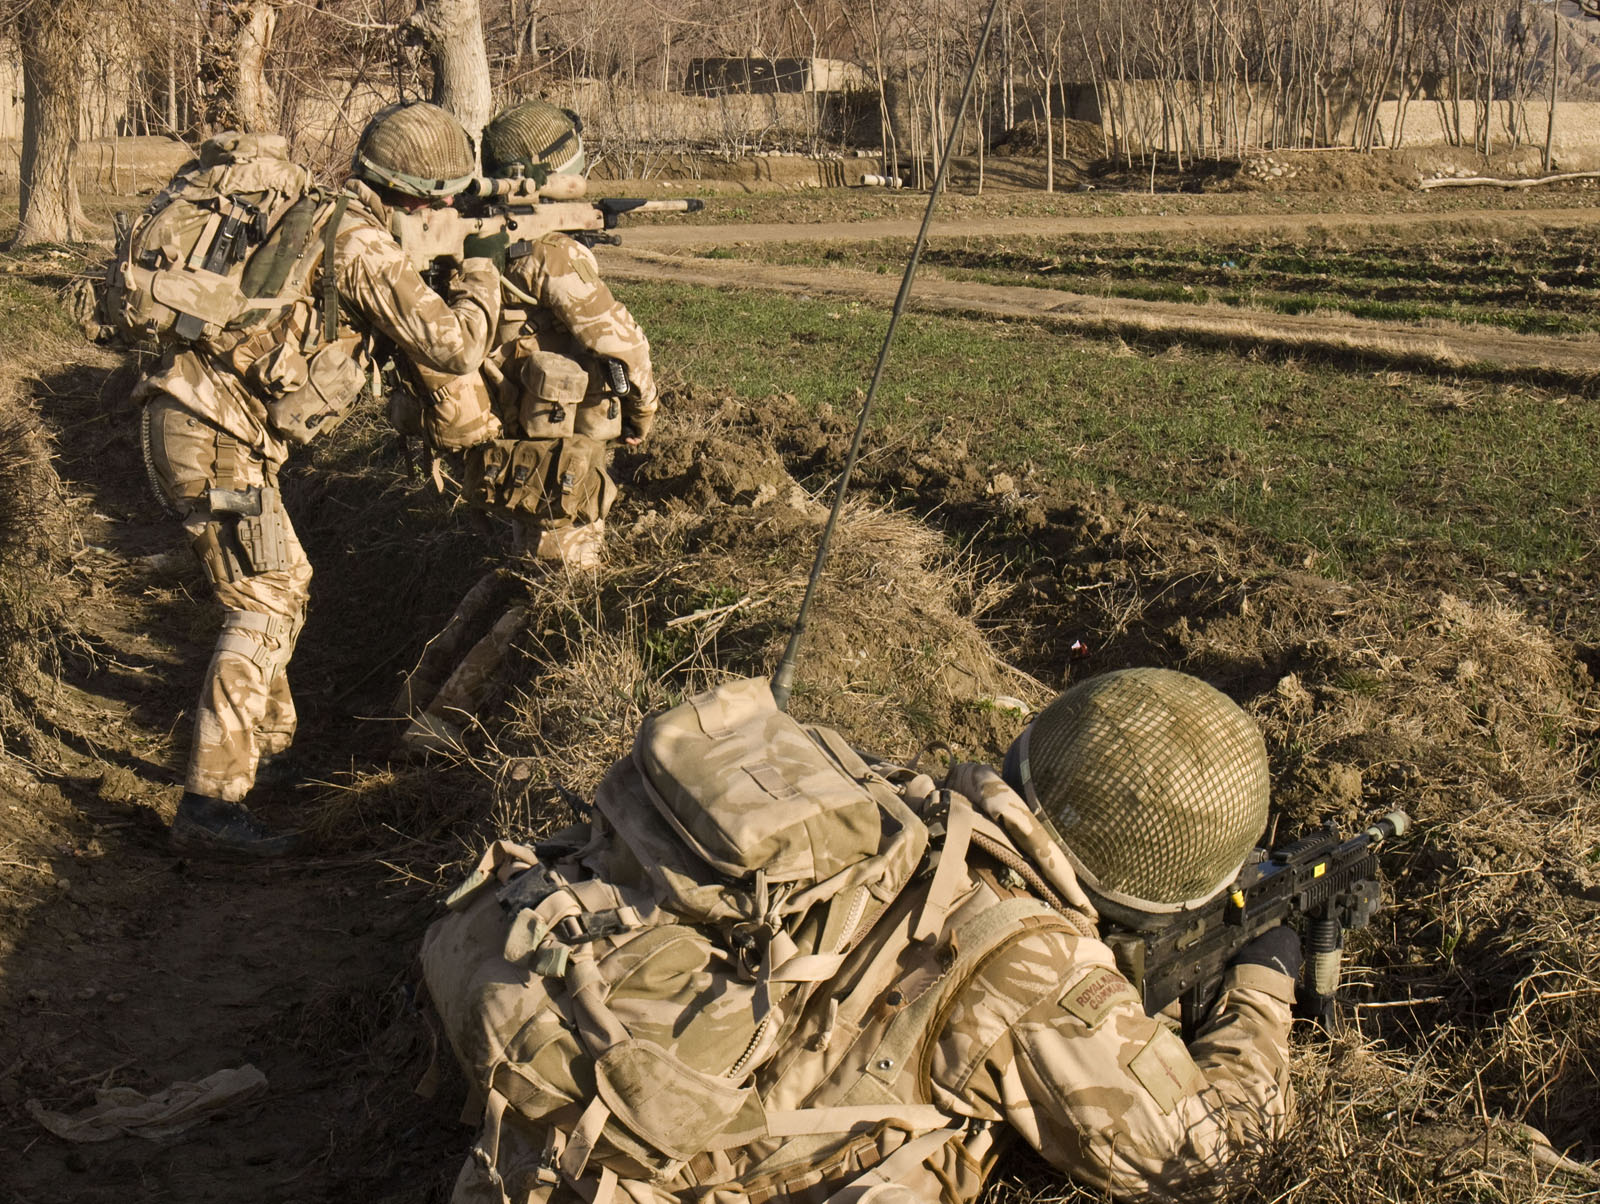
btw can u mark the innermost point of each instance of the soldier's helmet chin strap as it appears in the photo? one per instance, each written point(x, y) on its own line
point(783, 679)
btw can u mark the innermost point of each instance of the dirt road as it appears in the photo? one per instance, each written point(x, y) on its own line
point(677, 237)
point(1567, 362)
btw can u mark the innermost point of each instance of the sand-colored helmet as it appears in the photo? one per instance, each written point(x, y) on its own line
point(533, 135)
point(1154, 783)
point(417, 149)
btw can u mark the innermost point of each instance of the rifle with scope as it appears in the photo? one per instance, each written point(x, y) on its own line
point(495, 214)
point(1324, 884)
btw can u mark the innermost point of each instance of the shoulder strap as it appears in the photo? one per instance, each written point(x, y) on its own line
point(330, 283)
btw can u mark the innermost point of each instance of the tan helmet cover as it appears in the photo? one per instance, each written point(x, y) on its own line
point(1155, 784)
point(533, 133)
point(417, 149)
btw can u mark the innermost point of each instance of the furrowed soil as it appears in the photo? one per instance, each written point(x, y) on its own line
point(963, 589)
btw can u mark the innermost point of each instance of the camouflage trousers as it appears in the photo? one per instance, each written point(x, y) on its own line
point(260, 574)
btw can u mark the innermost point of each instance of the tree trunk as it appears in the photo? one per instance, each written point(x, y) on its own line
point(233, 65)
point(1555, 73)
point(50, 37)
point(451, 32)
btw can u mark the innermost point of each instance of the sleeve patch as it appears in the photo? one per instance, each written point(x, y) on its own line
point(1092, 997)
point(1165, 1069)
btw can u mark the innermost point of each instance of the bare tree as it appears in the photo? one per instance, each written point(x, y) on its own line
point(233, 68)
point(51, 36)
point(451, 33)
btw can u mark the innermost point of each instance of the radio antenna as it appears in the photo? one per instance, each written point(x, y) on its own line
point(783, 679)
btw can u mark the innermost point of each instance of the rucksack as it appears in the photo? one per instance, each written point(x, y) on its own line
point(622, 987)
point(222, 250)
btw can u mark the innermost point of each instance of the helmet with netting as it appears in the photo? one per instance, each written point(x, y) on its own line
point(534, 136)
point(1154, 783)
point(416, 149)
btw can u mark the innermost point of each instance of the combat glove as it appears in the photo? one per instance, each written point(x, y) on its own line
point(1276, 949)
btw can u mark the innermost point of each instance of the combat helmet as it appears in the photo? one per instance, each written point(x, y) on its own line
point(1155, 784)
point(534, 136)
point(417, 149)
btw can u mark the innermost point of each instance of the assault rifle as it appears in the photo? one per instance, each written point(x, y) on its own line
point(496, 213)
point(1328, 880)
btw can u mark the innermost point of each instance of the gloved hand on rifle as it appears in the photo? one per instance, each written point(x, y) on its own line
point(1276, 949)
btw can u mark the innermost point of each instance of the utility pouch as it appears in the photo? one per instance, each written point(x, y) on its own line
point(460, 414)
point(263, 536)
point(553, 387)
point(600, 420)
point(333, 382)
point(281, 371)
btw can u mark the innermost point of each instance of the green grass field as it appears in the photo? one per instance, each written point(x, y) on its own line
point(1539, 282)
point(1357, 466)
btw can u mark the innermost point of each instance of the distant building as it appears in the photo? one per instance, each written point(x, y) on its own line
point(722, 76)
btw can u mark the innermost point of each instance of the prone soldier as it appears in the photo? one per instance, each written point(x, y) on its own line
point(900, 995)
point(254, 366)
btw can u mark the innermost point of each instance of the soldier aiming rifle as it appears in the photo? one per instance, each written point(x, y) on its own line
point(570, 376)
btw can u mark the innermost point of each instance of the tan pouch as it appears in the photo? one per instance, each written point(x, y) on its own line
point(281, 371)
point(553, 387)
point(600, 419)
point(460, 415)
point(333, 382)
point(525, 482)
point(487, 464)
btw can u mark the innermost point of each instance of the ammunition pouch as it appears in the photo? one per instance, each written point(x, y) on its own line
point(333, 382)
point(509, 474)
point(553, 386)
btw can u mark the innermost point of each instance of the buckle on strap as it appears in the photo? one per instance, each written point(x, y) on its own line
point(272, 627)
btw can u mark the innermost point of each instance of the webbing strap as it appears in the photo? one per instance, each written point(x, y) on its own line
point(898, 1165)
point(330, 282)
point(809, 967)
point(951, 875)
point(274, 627)
point(973, 940)
point(817, 1122)
point(227, 462)
point(585, 1135)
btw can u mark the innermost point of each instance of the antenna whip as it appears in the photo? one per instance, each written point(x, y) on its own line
point(783, 679)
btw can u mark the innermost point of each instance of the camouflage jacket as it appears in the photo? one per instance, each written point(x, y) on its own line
point(1009, 1018)
point(561, 274)
point(381, 298)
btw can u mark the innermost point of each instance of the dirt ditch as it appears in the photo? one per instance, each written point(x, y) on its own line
point(961, 591)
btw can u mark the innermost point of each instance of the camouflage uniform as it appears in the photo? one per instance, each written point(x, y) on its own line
point(556, 490)
point(572, 323)
point(1012, 1017)
point(205, 428)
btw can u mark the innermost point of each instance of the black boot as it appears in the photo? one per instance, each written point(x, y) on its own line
point(209, 827)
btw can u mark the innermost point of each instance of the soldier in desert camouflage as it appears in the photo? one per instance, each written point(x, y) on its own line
point(571, 375)
point(215, 444)
point(981, 1005)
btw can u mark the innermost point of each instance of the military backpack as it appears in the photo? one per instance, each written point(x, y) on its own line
point(625, 989)
point(224, 253)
